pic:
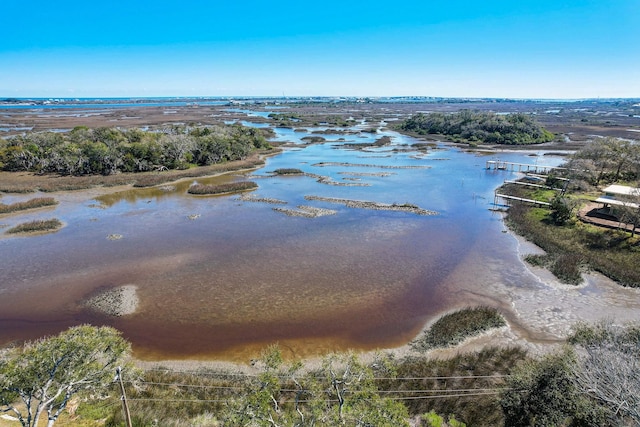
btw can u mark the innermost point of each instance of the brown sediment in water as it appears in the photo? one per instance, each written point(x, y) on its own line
point(320, 308)
point(331, 309)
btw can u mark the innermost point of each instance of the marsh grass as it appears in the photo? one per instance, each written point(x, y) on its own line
point(232, 187)
point(453, 328)
point(36, 226)
point(157, 178)
point(18, 182)
point(38, 202)
point(574, 248)
point(288, 171)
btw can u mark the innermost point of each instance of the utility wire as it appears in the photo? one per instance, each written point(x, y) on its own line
point(499, 376)
point(304, 390)
point(445, 395)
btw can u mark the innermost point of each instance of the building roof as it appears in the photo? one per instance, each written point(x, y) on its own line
point(610, 201)
point(622, 190)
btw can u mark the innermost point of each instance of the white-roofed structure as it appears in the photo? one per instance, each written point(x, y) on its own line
point(620, 195)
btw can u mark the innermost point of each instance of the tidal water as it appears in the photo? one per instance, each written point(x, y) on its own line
point(219, 277)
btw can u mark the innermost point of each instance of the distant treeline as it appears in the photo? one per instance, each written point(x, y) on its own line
point(106, 151)
point(475, 126)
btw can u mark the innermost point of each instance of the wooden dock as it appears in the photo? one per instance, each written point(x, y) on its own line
point(520, 199)
point(519, 167)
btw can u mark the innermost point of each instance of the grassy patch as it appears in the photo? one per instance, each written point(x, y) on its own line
point(12, 182)
point(35, 226)
point(288, 171)
point(38, 202)
point(232, 187)
point(575, 247)
point(453, 328)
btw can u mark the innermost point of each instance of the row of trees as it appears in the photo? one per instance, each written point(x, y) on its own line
point(610, 161)
point(40, 378)
point(475, 126)
point(593, 381)
point(605, 161)
point(106, 151)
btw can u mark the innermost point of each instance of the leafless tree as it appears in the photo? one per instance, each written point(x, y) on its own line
point(608, 367)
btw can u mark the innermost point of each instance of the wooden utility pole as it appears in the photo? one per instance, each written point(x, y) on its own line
point(125, 406)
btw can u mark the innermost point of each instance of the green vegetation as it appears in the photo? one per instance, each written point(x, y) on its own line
point(37, 202)
point(573, 247)
point(545, 392)
point(434, 420)
point(384, 392)
point(288, 171)
point(465, 385)
point(284, 120)
point(107, 151)
point(475, 126)
point(343, 390)
point(605, 161)
point(44, 375)
point(25, 183)
point(453, 328)
point(36, 226)
point(231, 187)
point(594, 380)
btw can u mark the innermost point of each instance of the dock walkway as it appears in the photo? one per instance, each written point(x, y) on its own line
point(520, 167)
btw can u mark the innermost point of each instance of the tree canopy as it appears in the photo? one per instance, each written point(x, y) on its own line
point(606, 160)
point(475, 126)
point(43, 375)
point(106, 151)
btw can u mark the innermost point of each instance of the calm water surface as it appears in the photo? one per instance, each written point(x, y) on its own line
point(242, 275)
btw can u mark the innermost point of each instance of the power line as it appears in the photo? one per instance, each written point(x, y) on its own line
point(444, 395)
point(305, 390)
point(213, 374)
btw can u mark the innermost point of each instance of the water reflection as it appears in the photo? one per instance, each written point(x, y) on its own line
point(219, 276)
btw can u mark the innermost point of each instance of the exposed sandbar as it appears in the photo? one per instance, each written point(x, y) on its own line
point(363, 204)
point(364, 165)
point(120, 301)
point(306, 211)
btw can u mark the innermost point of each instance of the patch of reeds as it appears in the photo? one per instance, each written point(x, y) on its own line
point(40, 225)
point(231, 187)
point(38, 202)
point(453, 328)
point(288, 171)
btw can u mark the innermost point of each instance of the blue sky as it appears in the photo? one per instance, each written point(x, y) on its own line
point(489, 48)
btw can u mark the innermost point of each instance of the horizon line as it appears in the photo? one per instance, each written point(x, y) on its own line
point(284, 97)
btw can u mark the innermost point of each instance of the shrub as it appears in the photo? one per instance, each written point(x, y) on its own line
point(544, 393)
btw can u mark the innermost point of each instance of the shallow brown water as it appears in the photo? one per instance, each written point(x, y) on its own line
point(241, 276)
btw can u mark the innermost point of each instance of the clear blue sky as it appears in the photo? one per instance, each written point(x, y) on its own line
point(480, 48)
